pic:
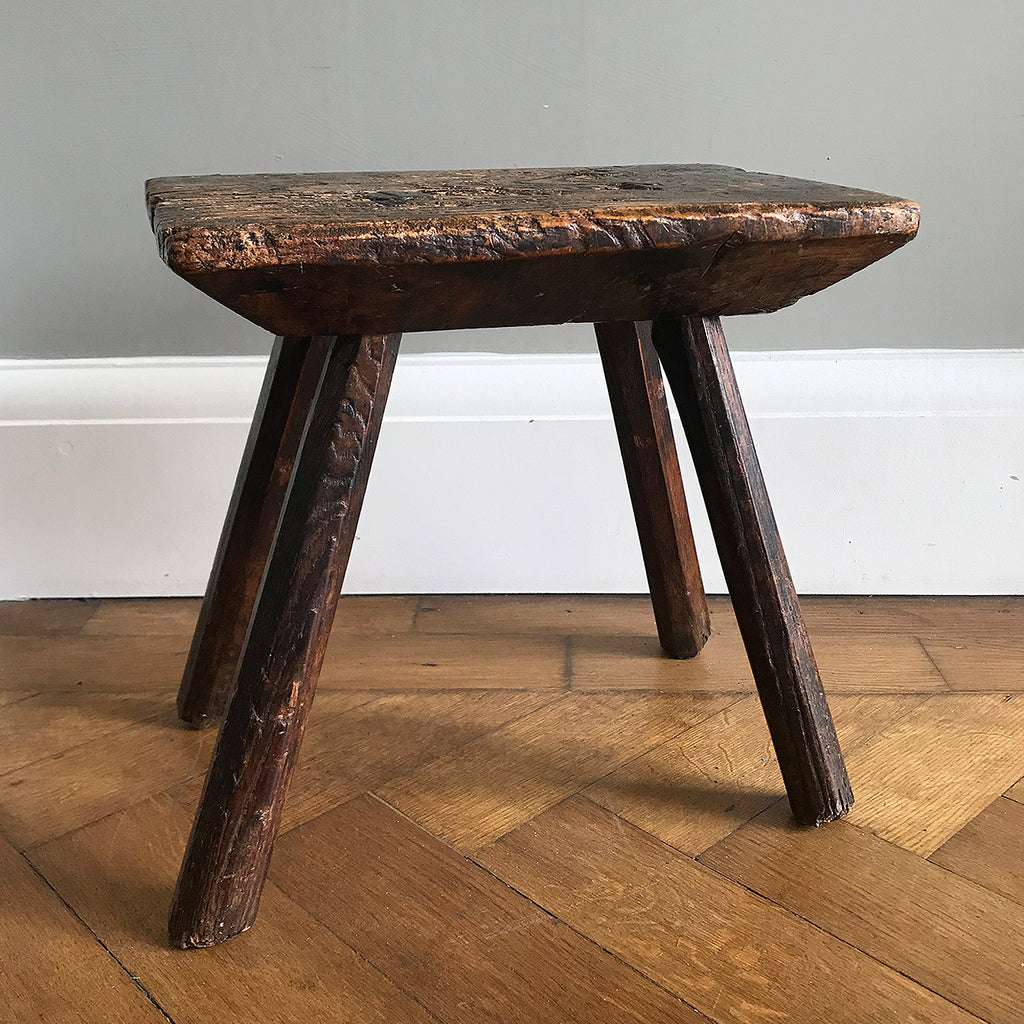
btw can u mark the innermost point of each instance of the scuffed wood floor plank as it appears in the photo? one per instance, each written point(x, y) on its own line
point(922, 780)
point(954, 937)
point(117, 874)
point(732, 955)
point(988, 850)
point(505, 778)
point(468, 947)
point(700, 786)
point(488, 741)
point(53, 969)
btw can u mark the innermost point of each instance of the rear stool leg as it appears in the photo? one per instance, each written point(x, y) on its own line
point(696, 361)
point(228, 853)
point(289, 386)
point(642, 423)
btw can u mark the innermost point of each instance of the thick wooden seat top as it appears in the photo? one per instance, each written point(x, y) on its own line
point(357, 252)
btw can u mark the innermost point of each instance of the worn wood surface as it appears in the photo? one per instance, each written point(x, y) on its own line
point(675, 926)
point(697, 363)
point(960, 941)
point(228, 853)
point(924, 778)
point(365, 252)
point(51, 969)
point(987, 849)
point(735, 956)
point(293, 374)
point(489, 786)
point(637, 395)
point(470, 949)
point(117, 872)
point(724, 770)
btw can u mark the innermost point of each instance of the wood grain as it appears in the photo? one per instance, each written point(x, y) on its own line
point(922, 780)
point(362, 747)
point(1016, 791)
point(704, 783)
point(954, 937)
point(369, 252)
point(729, 953)
point(696, 361)
point(290, 385)
point(43, 725)
point(228, 852)
point(53, 970)
point(35, 618)
point(116, 874)
point(740, 956)
point(413, 661)
point(60, 793)
point(995, 664)
point(987, 849)
point(868, 663)
point(147, 616)
point(357, 615)
point(921, 616)
point(539, 615)
point(468, 948)
point(150, 664)
point(637, 395)
point(470, 797)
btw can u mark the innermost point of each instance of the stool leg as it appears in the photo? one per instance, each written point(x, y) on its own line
point(228, 853)
point(642, 423)
point(293, 374)
point(696, 361)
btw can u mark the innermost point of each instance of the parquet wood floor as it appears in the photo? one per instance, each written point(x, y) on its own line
point(513, 809)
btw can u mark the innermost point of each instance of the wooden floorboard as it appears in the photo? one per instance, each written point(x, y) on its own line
point(731, 954)
point(517, 809)
point(988, 850)
point(951, 935)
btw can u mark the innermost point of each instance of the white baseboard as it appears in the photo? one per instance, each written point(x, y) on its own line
point(890, 472)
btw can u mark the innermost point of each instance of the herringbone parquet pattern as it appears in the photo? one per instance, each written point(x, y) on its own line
point(513, 809)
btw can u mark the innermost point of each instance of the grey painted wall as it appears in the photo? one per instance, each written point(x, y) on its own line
point(922, 98)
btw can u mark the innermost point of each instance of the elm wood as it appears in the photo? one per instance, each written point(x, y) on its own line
point(637, 395)
point(239, 815)
point(949, 934)
point(289, 387)
point(451, 935)
point(696, 361)
point(731, 954)
point(368, 252)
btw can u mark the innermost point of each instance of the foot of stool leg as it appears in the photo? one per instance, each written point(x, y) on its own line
point(696, 361)
point(642, 423)
point(293, 374)
point(229, 850)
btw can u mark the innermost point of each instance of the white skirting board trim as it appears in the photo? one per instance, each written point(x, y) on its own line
point(891, 471)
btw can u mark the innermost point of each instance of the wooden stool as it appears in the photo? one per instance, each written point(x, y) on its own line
point(337, 265)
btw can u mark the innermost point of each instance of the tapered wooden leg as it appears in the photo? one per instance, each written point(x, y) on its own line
point(292, 377)
point(642, 423)
point(697, 364)
point(229, 850)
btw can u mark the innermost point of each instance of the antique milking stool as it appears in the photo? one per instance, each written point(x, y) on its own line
point(336, 265)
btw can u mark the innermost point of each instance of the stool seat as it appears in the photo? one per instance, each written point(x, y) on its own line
point(358, 253)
